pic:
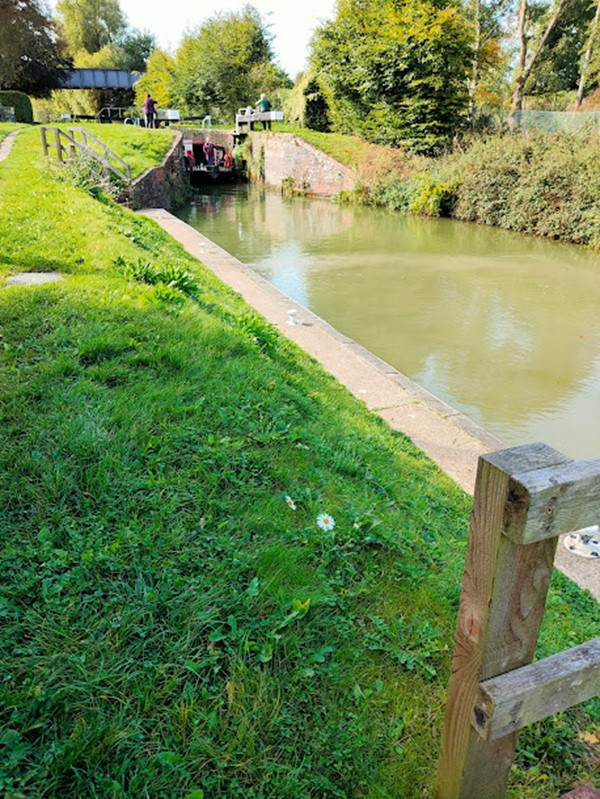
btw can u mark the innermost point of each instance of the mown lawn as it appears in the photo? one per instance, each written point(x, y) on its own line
point(175, 621)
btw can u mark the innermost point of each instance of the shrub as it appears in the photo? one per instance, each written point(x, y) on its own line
point(538, 183)
point(21, 103)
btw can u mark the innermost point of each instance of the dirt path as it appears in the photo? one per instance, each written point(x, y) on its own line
point(448, 437)
point(6, 144)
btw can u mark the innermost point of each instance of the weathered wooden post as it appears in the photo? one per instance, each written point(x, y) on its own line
point(58, 144)
point(525, 498)
point(44, 140)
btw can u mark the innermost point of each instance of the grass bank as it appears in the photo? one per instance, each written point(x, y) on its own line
point(181, 617)
point(546, 184)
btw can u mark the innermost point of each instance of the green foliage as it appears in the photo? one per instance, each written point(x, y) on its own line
point(86, 172)
point(306, 105)
point(540, 183)
point(395, 73)
point(173, 282)
point(90, 25)
point(546, 184)
point(225, 65)
point(558, 67)
point(32, 54)
point(157, 80)
point(21, 103)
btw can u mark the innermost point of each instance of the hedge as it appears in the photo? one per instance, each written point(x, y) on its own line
point(21, 103)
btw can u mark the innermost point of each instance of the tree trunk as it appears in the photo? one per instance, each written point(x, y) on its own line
point(475, 64)
point(587, 57)
point(526, 65)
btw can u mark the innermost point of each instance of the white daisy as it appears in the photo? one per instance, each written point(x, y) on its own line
point(325, 521)
point(290, 502)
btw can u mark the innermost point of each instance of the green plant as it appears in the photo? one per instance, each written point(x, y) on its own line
point(20, 102)
point(84, 171)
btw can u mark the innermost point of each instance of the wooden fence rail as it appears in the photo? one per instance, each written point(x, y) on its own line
point(525, 497)
point(67, 144)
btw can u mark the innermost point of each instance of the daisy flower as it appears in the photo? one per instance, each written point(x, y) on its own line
point(290, 502)
point(325, 521)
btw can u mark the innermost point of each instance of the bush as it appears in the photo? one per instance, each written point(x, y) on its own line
point(540, 183)
point(537, 183)
point(21, 103)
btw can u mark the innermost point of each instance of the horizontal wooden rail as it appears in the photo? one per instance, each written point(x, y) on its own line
point(559, 500)
point(66, 144)
point(107, 153)
point(513, 700)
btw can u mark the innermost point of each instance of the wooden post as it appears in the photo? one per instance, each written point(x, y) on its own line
point(502, 602)
point(44, 141)
point(59, 152)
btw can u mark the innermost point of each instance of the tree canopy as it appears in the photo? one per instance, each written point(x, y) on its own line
point(90, 25)
point(32, 55)
point(396, 72)
point(225, 64)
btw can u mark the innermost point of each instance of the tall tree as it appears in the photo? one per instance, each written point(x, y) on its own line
point(487, 19)
point(32, 55)
point(587, 56)
point(134, 49)
point(558, 67)
point(396, 72)
point(533, 34)
point(90, 25)
point(157, 80)
point(225, 64)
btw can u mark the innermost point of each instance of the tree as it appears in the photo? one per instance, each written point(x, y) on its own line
point(396, 72)
point(306, 104)
point(587, 56)
point(225, 65)
point(90, 25)
point(32, 55)
point(486, 17)
point(558, 67)
point(134, 48)
point(531, 29)
point(157, 80)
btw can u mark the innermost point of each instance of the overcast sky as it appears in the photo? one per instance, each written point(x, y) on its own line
point(292, 22)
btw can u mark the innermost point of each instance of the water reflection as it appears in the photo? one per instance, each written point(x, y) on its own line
point(502, 326)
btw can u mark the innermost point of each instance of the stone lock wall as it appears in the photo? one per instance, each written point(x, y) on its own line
point(166, 186)
point(292, 163)
point(288, 162)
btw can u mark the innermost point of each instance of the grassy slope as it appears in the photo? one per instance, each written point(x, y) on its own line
point(169, 623)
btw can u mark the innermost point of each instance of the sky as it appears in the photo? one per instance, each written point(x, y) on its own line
point(291, 21)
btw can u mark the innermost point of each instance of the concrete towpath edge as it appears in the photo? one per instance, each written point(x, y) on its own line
point(448, 437)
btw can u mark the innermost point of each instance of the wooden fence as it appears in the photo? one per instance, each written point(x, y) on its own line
point(525, 498)
point(80, 141)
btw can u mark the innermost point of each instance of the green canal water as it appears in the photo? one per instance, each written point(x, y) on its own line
point(503, 327)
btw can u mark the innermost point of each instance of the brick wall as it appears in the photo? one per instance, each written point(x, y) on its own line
point(289, 160)
point(166, 186)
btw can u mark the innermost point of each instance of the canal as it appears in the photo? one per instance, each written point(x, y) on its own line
point(504, 327)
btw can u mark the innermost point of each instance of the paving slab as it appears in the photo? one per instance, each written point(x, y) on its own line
point(448, 437)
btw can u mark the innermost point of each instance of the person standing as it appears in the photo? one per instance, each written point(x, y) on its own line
point(262, 106)
point(209, 152)
point(150, 111)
